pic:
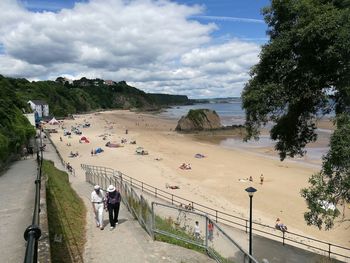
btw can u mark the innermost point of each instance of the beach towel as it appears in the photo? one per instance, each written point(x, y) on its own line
point(98, 150)
point(113, 145)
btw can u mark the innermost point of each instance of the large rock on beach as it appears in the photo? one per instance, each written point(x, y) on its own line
point(197, 120)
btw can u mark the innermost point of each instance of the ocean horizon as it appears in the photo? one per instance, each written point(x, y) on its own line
point(230, 111)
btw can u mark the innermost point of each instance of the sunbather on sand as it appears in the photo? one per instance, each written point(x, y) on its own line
point(185, 166)
point(172, 186)
point(280, 225)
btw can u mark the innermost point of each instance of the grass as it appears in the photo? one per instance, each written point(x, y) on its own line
point(66, 216)
point(168, 226)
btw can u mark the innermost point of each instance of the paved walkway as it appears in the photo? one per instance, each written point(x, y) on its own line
point(128, 242)
point(17, 195)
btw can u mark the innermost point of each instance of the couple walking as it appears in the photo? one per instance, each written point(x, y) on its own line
point(109, 201)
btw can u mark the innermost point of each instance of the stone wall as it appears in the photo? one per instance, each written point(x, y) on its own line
point(44, 254)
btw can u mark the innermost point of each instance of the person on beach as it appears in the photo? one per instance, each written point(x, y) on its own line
point(261, 179)
point(92, 152)
point(210, 231)
point(280, 225)
point(112, 204)
point(251, 178)
point(97, 205)
point(197, 231)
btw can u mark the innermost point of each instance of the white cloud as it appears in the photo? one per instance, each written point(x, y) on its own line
point(154, 45)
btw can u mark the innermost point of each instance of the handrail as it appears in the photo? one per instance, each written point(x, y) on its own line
point(33, 232)
point(219, 216)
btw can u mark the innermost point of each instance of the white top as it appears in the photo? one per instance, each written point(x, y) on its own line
point(196, 229)
point(97, 198)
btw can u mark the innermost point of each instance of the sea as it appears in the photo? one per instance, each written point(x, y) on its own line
point(231, 113)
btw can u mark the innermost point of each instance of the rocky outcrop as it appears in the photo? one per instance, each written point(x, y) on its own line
point(197, 120)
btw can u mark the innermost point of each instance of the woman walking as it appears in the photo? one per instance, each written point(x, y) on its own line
point(112, 204)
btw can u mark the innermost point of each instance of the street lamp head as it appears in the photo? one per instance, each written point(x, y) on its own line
point(250, 191)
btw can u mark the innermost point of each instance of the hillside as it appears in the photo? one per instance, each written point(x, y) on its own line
point(91, 94)
point(15, 129)
point(66, 98)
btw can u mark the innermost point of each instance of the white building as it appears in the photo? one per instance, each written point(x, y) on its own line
point(39, 106)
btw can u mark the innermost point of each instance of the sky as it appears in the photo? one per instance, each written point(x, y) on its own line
point(198, 48)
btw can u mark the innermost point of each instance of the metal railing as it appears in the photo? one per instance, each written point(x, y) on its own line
point(33, 232)
point(179, 223)
point(224, 249)
point(309, 243)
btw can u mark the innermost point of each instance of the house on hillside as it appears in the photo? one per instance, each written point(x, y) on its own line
point(109, 82)
point(40, 107)
point(64, 80)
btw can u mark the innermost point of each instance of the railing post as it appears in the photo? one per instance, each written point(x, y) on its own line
point(206, 232)
point(329, 250)
point(155, 192)
point(246, 225)
point(153, 221)
point(142, 186)
point(172, 199)
point(283, 237)
point(216, 216)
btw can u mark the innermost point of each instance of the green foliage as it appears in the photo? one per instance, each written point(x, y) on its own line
point(66, 216)
point(15, 129)
point(332, 184)
point(88, 94)
point(197, 116)
point(307, 57)
point(167, 100)
point(303, 72)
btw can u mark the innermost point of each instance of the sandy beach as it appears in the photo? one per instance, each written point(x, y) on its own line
point(215, 180)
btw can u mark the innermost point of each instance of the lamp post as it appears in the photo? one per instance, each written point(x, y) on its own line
point(250, 191)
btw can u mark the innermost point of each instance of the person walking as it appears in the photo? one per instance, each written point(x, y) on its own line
point(197, 230)
point(112, 204)
point(97, 198)
point(210, 231)
point(261, 179)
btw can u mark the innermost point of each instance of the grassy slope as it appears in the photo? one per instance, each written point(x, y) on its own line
point(66, 215)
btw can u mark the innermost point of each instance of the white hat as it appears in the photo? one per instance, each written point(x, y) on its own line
point(111, 188)
point(97, 187)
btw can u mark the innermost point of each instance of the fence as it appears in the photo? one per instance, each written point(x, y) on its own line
point(197, 229)
point(294, 239)
point(162, 221)
point(33, 232)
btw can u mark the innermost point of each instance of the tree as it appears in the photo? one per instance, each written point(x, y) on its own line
point(304, 72)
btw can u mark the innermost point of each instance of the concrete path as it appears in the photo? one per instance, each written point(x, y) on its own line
point(17, 195)
point(128, 242)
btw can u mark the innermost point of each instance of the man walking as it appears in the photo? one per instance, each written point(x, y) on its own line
point(112, 203)
point(97, 205)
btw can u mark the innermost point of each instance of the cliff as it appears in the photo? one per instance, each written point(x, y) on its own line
point(197, 120)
